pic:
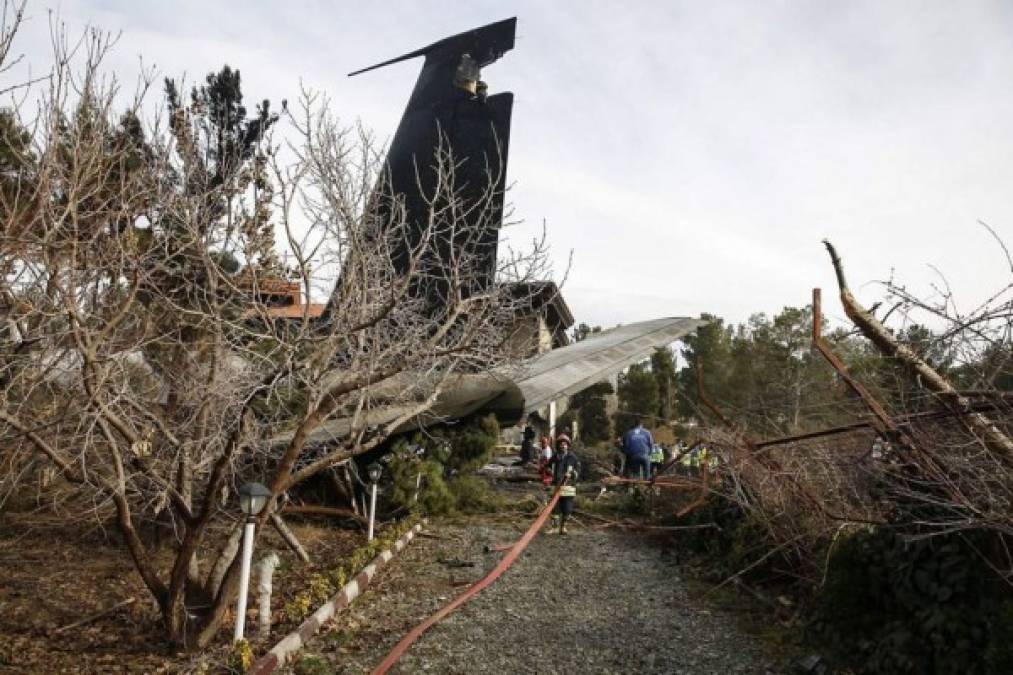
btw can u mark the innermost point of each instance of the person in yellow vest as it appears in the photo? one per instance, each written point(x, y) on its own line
point(657, 457)
point(565, 472)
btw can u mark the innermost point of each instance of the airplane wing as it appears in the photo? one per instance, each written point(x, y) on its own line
point(541, 379)
point(567, 370)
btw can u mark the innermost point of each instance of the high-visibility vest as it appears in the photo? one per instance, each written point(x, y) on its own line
point(657, 455)
point(568, 491)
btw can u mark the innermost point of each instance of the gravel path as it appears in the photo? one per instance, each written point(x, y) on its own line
point(591, 602)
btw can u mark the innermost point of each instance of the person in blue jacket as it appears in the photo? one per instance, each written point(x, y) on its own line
point(637, 446)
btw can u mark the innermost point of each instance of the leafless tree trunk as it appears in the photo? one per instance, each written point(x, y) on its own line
point(154, 379)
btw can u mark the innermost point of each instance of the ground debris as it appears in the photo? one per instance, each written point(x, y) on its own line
point(594, 602)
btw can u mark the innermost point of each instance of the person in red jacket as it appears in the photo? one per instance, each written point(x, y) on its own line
point(544, 457)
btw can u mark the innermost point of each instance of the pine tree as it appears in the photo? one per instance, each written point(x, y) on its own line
point(663, 369)
point(638, 397)
point(588, 407)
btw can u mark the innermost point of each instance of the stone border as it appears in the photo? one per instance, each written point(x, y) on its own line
point(296, 640)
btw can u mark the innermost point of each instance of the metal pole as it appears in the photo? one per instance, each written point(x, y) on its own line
point(372, 511)
point(552, 421)
point(244, 578)
point(418, 487)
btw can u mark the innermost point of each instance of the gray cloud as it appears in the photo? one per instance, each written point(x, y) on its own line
point(692, 155)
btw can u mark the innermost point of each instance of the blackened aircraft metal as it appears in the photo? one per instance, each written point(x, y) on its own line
point(449, 110)
point(509, 393)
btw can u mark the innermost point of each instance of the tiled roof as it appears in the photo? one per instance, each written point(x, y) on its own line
point(313, 310)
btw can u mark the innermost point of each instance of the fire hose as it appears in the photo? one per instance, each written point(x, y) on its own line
point(408, 640)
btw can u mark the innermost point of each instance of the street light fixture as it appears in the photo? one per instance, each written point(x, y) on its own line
point(374, 470)
point(252, 499)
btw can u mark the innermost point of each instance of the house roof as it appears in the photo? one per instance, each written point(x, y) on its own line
point(546, 295)
point(313, 311)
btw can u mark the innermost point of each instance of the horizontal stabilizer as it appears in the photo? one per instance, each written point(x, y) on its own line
point(485, 45)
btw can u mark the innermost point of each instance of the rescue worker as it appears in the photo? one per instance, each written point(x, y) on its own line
point(703, 458)
point(527, 443)
point(657, 458)
point(563, 437)
point(544, 455)
point(618, 458)
point(565, 469)
point(688, 459)
point(637, 446)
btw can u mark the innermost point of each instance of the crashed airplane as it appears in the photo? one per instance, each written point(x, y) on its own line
point(450, 112)
point(449, 106)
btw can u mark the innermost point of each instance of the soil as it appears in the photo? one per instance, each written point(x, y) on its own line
point(53, 574)
point(593, 601)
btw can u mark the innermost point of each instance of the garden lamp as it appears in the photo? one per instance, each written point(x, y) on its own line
point(252, 499)
point(374, 470)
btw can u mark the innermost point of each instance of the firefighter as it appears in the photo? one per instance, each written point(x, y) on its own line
point(565, 472)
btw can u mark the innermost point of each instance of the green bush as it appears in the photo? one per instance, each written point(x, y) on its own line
point(473, 494)
point(452, 455)
point(891, 605)
point(471, 444)
point(311, 665)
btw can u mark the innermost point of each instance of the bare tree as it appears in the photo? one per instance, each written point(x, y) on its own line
point(155, 380)
point(942, 465)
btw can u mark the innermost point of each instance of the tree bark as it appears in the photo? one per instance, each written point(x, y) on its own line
point(983, 427)
point(289, 537)
point(225, 558)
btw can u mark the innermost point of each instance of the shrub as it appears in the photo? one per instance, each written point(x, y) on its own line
point(451, 454)
point(892, 605)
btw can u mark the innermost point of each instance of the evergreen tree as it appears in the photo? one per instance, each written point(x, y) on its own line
point(589, 409)
point(17, 162)
point(638, 397)
point(663, 369)
point(223, 159)
point(583, 331)
point(710, 345)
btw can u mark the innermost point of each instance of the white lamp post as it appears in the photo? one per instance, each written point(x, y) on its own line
point(252, 498)
point(374, 470)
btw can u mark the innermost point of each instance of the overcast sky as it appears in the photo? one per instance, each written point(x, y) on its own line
point(692, 155)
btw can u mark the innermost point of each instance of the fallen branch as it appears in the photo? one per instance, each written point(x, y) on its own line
point(94, 617)
point(289, 537)
point(631, 525)
point(993, 438)
point(428, 535)
point(314, 510)
point(497, 548)
point(753, 564)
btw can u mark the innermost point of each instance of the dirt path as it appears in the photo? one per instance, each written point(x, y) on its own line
point(591, 602)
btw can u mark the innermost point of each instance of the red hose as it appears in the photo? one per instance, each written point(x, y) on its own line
point(401, 647)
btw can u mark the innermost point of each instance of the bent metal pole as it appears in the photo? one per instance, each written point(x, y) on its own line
point(244, 578)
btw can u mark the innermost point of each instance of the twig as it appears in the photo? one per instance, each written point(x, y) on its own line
point(94, 617)
point(754, 564)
